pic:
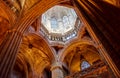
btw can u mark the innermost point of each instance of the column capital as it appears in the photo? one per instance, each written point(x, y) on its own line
point(56, 65)
point(56, 69)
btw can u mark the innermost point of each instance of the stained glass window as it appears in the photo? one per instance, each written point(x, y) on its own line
point(60, 20)
point(65, 21)
point(54, 23)
point(84, 65)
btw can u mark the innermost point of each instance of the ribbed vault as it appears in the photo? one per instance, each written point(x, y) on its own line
point(34, 56)
point(35, 53)
point(74, 54)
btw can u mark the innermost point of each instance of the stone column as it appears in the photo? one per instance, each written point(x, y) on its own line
point(103, 24)
point(57, 71)
point(8, 52)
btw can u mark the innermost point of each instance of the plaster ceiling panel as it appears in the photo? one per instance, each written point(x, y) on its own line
point(30, 3)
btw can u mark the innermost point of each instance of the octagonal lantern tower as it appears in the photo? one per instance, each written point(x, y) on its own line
point(60, 23)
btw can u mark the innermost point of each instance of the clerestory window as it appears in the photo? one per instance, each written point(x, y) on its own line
point(54, 23)
point(84, 65)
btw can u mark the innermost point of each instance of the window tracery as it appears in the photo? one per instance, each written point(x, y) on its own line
point(54, 23)
point(84, 65)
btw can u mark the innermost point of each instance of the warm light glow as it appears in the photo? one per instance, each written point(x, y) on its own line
point(59, 19)
point(60, 23)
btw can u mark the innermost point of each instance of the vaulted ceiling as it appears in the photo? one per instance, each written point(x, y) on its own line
point(35, 51)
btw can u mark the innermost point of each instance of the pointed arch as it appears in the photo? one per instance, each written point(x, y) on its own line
point(41, 42)
point(73, 45)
